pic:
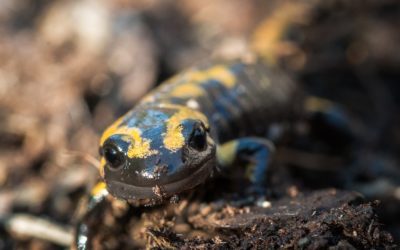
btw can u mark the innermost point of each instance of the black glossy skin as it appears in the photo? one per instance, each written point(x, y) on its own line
point(227, 101)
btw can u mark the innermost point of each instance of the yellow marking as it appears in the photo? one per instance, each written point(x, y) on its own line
point(219, 73)
point(99, 189)
point(222, 74)
point(226, 153)
point(173, 138)
point(186, 112)
point(269, 41)
point(190, 82)
point(139, 148)
point(249, 171)
point(111, 130)
point(187, 90)
point(148, 98)
point(314, 104)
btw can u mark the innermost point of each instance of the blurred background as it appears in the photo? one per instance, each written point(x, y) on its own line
point(69, 68)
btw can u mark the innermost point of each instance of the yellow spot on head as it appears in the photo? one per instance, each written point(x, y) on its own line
point(140, 147)
point(174, 139)
point(111, 130)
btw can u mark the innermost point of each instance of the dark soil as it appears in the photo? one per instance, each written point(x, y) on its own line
point(318, 220)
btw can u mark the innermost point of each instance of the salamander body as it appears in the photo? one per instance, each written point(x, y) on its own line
point(173, 139)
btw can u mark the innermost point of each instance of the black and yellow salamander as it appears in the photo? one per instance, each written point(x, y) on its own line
point(175, 138)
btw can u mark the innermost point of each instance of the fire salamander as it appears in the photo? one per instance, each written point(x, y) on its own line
point(175, 138)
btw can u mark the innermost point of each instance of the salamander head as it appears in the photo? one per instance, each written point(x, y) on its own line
point(156, 152)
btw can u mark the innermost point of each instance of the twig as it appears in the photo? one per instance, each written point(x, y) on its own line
point(24, 225)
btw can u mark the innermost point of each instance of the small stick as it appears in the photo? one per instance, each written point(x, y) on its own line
point(24, 225)
point(93, 161)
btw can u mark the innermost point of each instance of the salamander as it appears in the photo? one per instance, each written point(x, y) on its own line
point(201, 119)
point(172, 139)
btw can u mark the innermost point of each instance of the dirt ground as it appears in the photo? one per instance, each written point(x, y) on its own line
point(69, 68)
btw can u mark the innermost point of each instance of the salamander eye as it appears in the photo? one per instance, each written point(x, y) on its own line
point(114, 157)
point(198, 139)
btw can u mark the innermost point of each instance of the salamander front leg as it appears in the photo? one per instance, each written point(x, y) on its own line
point(253, 150)
point(94, 206)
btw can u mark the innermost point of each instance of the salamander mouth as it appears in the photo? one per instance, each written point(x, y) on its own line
point(131, 192)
